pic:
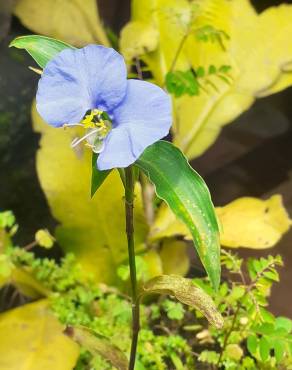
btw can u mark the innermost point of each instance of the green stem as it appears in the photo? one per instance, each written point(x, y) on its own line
point(129, 208)
point(178, 51)
point(147, 197)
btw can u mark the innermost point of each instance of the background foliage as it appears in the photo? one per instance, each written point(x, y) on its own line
point(214, 71)
point(199, 39)
point(174, 334)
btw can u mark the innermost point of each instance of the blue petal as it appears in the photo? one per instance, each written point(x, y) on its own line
point(143, 117)
point(78, 80)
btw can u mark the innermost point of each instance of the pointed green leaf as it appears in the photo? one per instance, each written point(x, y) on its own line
point(187, 195)
point(283, 323)
point(252, 344)
point(279, 348)
point(186, 292)
point(41, 48)
point(264, 349)
point(97, 176)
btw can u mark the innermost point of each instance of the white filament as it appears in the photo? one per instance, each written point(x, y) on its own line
point(77, 141)
point(72, 124)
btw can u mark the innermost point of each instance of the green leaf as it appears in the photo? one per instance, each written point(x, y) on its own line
point(248, 363)
point(186, 292)
point(187, 195)
point(41, 48)
point(265, 329)
point(7, 219)
point(279, 348)
point(224, 68)
point(200, 72)
point(212, 69)
point(211, 357)
point(174, 310)
point(98, 344)
point(97, 176)
point(267, 316)
point(264, 349)
point(252, 343)
point(272, 275)
point(236, 293)
point(179, 83)
point(283, 323)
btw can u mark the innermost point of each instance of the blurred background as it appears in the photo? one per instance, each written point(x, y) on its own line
point(251, 157)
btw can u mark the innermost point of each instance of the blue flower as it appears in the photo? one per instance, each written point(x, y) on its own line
point(88, 87)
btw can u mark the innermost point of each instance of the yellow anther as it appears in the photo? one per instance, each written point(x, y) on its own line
point(92, 119)
point(96, 124)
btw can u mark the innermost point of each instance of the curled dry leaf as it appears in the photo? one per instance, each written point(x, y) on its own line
point(186, 292)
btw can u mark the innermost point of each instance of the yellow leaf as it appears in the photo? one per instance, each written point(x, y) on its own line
point(5, 240)
point(76, 22)
point(234, 351)
point(153, 263)
point(166, 225)
point(284, 81)
point(138, 38)
point(174, 257)
point(93, 229)
point(161, 20)
point(253, 223)
point(256, 66)
point(44, 238)
point(32, 339)
point(259, 51)
point(246, 222)
point(6, 268)
point(27, 284)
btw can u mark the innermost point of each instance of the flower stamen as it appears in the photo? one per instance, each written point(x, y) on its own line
point(98, 124)
point(72, 125)
point(77, 140)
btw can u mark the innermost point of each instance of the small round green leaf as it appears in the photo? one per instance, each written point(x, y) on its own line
point(252, 344)
point(264, 348)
